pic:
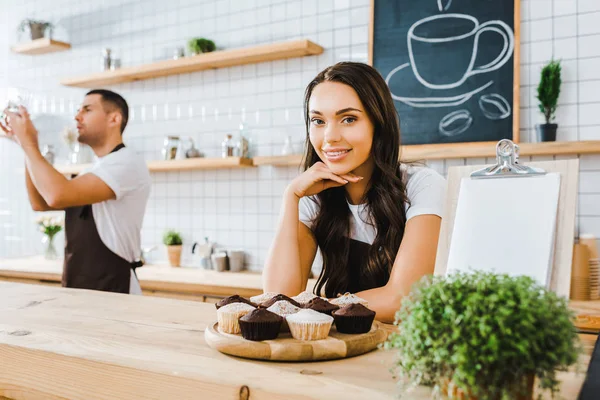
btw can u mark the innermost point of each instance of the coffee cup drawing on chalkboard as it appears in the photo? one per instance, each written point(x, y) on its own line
point(447, 34)
point(454, 39)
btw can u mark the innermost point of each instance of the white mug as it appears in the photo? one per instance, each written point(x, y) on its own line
point(454, 39)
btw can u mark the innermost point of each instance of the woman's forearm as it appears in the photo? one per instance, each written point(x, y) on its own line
point(383, 301)
point(282, 271)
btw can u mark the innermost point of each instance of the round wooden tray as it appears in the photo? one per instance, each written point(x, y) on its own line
point(286, 348)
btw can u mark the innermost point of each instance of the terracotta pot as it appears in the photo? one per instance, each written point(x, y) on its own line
point(174, 253)
point(450, 391)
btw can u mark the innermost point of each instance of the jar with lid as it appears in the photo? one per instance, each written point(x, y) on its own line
point(171, 144)
point(106, 59)
point(241, 147)
point(227, 147)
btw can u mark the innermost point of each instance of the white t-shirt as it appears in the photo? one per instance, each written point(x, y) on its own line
point(425, 189)
point(119, 221)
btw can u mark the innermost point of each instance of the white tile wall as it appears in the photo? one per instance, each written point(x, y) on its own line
point(239, 208)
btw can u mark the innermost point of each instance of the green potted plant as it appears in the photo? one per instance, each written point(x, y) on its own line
point(483, 336)
point(37, 28)
point(548, 91)
point(201, 45)
point(172, 240)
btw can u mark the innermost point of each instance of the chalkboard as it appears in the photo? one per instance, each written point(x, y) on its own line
point(450, 66)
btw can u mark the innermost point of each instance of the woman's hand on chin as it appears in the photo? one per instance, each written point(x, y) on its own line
point(318, 178)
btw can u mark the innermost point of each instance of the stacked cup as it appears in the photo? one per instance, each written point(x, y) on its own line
point(589, 241)
point(580, 273)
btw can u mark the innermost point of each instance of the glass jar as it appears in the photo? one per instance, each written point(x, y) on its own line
point(227, 147)
point(171, 144)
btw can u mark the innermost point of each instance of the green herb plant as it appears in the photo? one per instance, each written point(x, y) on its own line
point(172, 238)
point(483, 333)
point(548, 89)
point(28, 22)
point(201, 45)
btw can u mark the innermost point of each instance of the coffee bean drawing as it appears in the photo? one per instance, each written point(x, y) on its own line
point(494, 106)
point(455, 123)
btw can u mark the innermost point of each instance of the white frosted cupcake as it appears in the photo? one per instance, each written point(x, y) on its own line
point(229, 315)
point(304, 297)
point(348, 298)
point(309, 324)
point(283, 308)
point(261, 298)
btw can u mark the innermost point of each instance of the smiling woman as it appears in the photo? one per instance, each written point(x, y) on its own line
point(375, 221)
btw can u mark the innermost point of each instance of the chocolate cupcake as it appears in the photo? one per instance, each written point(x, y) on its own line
point(322, 306)
point(353, 318)
point(233, 299)
point(260, 324)
point(277, 298)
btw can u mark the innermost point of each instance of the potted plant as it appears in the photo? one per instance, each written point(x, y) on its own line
point(37, 28)
point(172, 240)
point(547, 94)
point(483, 336)
point(201, 45)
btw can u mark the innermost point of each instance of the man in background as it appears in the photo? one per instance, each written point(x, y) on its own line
point(104, 206)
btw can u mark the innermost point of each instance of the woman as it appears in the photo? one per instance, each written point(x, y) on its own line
point(375, 221)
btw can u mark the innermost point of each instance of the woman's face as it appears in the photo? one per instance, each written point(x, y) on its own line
point(339, 128)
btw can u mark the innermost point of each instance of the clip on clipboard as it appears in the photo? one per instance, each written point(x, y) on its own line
point(522, 224)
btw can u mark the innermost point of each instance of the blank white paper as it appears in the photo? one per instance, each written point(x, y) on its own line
point(506, 225)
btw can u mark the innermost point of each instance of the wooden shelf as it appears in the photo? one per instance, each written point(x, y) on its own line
point(40, 46)
point(174, 165)
point(279, 161)
point(199, 163)
point(71, 169)
point(460, 150)
point(488, 149)
point(217, 59)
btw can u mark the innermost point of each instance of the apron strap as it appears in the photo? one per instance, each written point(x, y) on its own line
point(87, 209)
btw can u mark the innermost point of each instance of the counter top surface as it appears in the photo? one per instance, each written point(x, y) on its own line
point(151, 276)
point(57, 343)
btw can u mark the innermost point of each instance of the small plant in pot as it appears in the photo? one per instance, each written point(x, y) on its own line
point(37, 28)
point(547, 94)
point(201, 45)
point(483, 336)
point(172, 240)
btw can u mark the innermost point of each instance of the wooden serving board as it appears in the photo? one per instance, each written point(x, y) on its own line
point(286, 348)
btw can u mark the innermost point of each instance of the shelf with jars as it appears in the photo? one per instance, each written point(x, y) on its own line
point(200, 62)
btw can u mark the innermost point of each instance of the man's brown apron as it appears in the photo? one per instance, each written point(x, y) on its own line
point(89, 264)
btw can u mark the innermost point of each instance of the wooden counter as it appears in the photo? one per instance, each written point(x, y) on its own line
point(156, 280)
point(73, 344)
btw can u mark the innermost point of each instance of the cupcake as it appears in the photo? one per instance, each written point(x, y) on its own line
point(348, 298)
point(304, 297)
point(322, 306)
point(260, 324)
point(228, 316)
point(309, 324)
point(283, 308)
point(354, 318)
point(233, 299)
point(261, 298)
point(277, 298)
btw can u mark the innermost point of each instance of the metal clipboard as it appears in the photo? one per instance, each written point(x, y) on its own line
point(508, 165)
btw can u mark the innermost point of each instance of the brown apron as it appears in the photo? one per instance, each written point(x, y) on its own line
point(89, 264)
point(357, 261)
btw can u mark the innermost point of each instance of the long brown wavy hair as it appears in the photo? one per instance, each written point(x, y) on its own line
point(386, 193)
